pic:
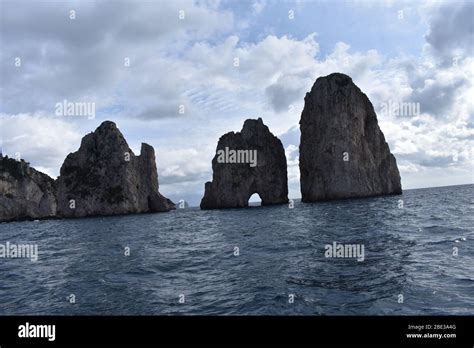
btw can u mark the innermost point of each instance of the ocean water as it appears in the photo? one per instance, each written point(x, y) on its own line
point(281, 252)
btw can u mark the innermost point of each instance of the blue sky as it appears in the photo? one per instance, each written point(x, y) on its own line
point(365, 25)
point(397, 52)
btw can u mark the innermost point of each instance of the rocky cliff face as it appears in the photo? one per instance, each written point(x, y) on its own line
point(25, 193)
point(104, 177)
point(343, 152)
point(252, 161)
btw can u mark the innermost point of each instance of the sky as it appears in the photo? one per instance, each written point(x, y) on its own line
point(179, 74)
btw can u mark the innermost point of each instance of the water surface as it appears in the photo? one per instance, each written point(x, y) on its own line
point(408, 251)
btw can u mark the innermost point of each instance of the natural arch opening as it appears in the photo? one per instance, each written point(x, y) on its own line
point(255, 200)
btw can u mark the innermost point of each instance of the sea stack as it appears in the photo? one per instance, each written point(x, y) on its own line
point(343, 153)
point(25, 193)
point(247, 162)
point(104, 177)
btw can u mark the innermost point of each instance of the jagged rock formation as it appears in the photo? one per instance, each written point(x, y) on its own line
point(104, 177)
point(25, 193)
point(343, 152)
point(252, 161)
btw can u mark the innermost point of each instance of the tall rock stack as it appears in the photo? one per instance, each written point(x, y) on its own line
point(104, 177)
point(343, 153)
point(234, 181)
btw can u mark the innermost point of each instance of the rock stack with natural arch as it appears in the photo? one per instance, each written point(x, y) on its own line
point(343, 153)
point(247, 162)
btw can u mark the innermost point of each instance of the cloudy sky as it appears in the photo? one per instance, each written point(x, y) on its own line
point(221, 62)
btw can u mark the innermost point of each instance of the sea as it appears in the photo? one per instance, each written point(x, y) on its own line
point(418, 259)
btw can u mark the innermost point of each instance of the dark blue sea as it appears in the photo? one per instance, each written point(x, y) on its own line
point(409, 251)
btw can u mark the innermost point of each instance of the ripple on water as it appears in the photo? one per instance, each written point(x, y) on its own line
point(281, 251)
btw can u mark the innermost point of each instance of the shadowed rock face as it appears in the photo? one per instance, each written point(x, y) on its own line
point(233, 183)
point(343, 153)
point(25, 193)
point(104, 177)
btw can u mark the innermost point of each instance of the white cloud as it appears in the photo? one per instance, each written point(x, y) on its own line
point(451, 29)
point(258, 6)
point(405, 147)
point(42, 141)
point(70, 59)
